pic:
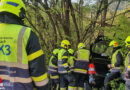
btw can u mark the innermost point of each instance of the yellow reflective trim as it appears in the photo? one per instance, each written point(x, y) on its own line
point(35, 55)
point(113, 65)
point(72, 88)
point(80, 71)
point(57, 87)
point(80, 88)
point(40, 78)
point(65, 64)
point(62, 88)
point(64, 57)
point(129, 67)
point(54, 77)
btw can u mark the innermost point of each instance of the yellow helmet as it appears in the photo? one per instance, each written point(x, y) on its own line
point(81, 45)
point(55, 51)
point(16, 7)
point(114, 43)
point(127, 41)
point(65, 44)
point(71, 51)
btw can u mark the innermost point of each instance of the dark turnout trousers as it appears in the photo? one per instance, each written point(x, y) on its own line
point(111, 76)
point(67, 81)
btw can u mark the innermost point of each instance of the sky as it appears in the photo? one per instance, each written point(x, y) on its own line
point(86, 1)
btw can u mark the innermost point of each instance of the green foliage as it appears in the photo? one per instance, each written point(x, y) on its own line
point(120, 31)
point(116, 84)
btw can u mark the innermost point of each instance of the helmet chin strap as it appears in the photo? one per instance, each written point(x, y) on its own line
point(22, 14)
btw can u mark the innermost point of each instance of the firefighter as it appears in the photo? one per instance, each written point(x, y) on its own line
point(115, 66)
point(22, 64)
point(81, 65)
point(127, 64)
point(66, 78)
point(52, 70)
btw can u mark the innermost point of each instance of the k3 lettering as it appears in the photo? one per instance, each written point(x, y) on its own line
point(5, 49)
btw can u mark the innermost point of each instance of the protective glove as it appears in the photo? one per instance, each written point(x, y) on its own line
point(127, 74)
point(69, 72)
point(92, 79)
point(107, 74)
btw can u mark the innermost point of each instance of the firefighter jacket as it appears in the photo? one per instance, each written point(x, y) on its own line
point(82, 61)
point(116, 61)
point(53, 69)
point(63, 66)
point(22, 64)
point(71, 61)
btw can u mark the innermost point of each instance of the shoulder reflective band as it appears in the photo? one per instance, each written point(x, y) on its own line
point(42, 83)
point(35, 55)
point(20, 41)
point(40, 78)
point(54, 77)
point(13, 4)
point(128, 67)
point(64, 57)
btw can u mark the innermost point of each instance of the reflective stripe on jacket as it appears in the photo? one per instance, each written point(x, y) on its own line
point(82, 61)
point(14, 69)
point(71, 61)
point(63, 61)
point(53, 69)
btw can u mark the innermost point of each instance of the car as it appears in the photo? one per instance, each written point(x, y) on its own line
point(100, 58)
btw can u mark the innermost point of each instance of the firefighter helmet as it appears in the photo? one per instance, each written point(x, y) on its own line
point(65, 44)
point(127, 41)
point(81, 45)
point(113, 43)
point(16, 7)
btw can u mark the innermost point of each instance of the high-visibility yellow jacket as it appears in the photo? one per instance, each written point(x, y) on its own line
point(116, 61)
point(17, 66)
point(53, 69)
point(63, 66)
point(82, 61)
point(71, 61)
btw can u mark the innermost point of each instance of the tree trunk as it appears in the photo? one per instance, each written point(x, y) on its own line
point(75, 22)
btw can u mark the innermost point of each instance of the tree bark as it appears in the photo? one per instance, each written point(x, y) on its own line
point(116, 11)
point(45, 6)
point(75, 22)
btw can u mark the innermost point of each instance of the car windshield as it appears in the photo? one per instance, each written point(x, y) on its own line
point(101, 48)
